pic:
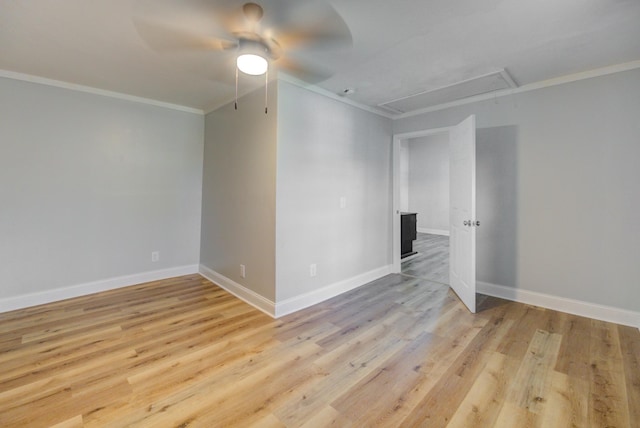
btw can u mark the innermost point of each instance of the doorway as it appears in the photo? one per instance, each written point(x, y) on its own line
point(462, 205)
point(424, 190)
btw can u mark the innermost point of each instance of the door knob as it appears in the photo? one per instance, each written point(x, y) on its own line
point(476, 223)
point(466, 223)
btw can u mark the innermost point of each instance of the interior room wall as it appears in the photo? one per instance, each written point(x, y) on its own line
point(330, 152)
point(497, 203)
point(575, 152)
point(429, 182)
point(90, 186)
point(239, 192)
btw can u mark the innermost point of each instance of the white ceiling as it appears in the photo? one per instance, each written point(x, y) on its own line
point(400, 47)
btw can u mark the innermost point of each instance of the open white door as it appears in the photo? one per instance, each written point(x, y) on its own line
point(462, 254)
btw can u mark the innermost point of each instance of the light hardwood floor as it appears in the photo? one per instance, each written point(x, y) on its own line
point(397, 352)
point(432, 260)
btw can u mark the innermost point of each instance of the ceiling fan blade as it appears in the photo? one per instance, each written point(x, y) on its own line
point(309, 73)
point(310, 39)
point(164, 38)
point(306, 25)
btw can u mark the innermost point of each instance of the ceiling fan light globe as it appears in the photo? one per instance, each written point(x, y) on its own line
point(252, 64)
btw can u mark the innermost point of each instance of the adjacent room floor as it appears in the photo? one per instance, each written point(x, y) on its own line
point(397, 352)
point(432, 260)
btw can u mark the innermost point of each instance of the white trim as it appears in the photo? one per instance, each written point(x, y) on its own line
point(48, 296)
point(313, 88)
point(277, 310)
point(571, 306)
point(618, 68)
point(483, 97)
point(433, 231)
point(422, 133)
point(88, 89)
point(332, 290)
point(240, 291)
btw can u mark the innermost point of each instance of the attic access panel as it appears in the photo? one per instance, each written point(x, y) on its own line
point(476, 86)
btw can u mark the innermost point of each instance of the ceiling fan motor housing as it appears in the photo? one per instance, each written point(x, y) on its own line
point(254, 47)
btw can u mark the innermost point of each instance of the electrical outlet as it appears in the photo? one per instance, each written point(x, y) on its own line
point(155, 256)
point(313, 270)
point(243, 271)
point(343, 202)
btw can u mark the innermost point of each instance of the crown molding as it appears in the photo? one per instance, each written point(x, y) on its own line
point(95, 91)
point(313, 88)
point(292, 80)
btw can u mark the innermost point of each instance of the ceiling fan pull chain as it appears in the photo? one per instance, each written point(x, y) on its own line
point(266, 90)
point(236, 104)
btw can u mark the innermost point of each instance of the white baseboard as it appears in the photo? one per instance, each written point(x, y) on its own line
point(293, 304)
point(240, 291)
point(576, 307)
point(316, 296)
point(433, 231)
point(48, 296)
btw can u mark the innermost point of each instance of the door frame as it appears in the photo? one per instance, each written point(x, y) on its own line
point(396, 170)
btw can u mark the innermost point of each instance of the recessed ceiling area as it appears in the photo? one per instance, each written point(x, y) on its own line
point(404, 55)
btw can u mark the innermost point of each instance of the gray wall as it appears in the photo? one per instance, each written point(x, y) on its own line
point(90, 186)
point(239, 184)
point(328, 150)
point(567, 186)
point(429, 181)
point(497, 205)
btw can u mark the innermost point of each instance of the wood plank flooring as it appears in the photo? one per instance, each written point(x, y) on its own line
point(399, 352)
point(432, 260)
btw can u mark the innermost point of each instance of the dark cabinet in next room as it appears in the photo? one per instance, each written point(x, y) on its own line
point(408, 233)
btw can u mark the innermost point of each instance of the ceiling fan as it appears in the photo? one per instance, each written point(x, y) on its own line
point(293, 36)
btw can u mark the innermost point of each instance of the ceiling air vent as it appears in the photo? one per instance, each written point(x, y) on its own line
point(468, 88)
